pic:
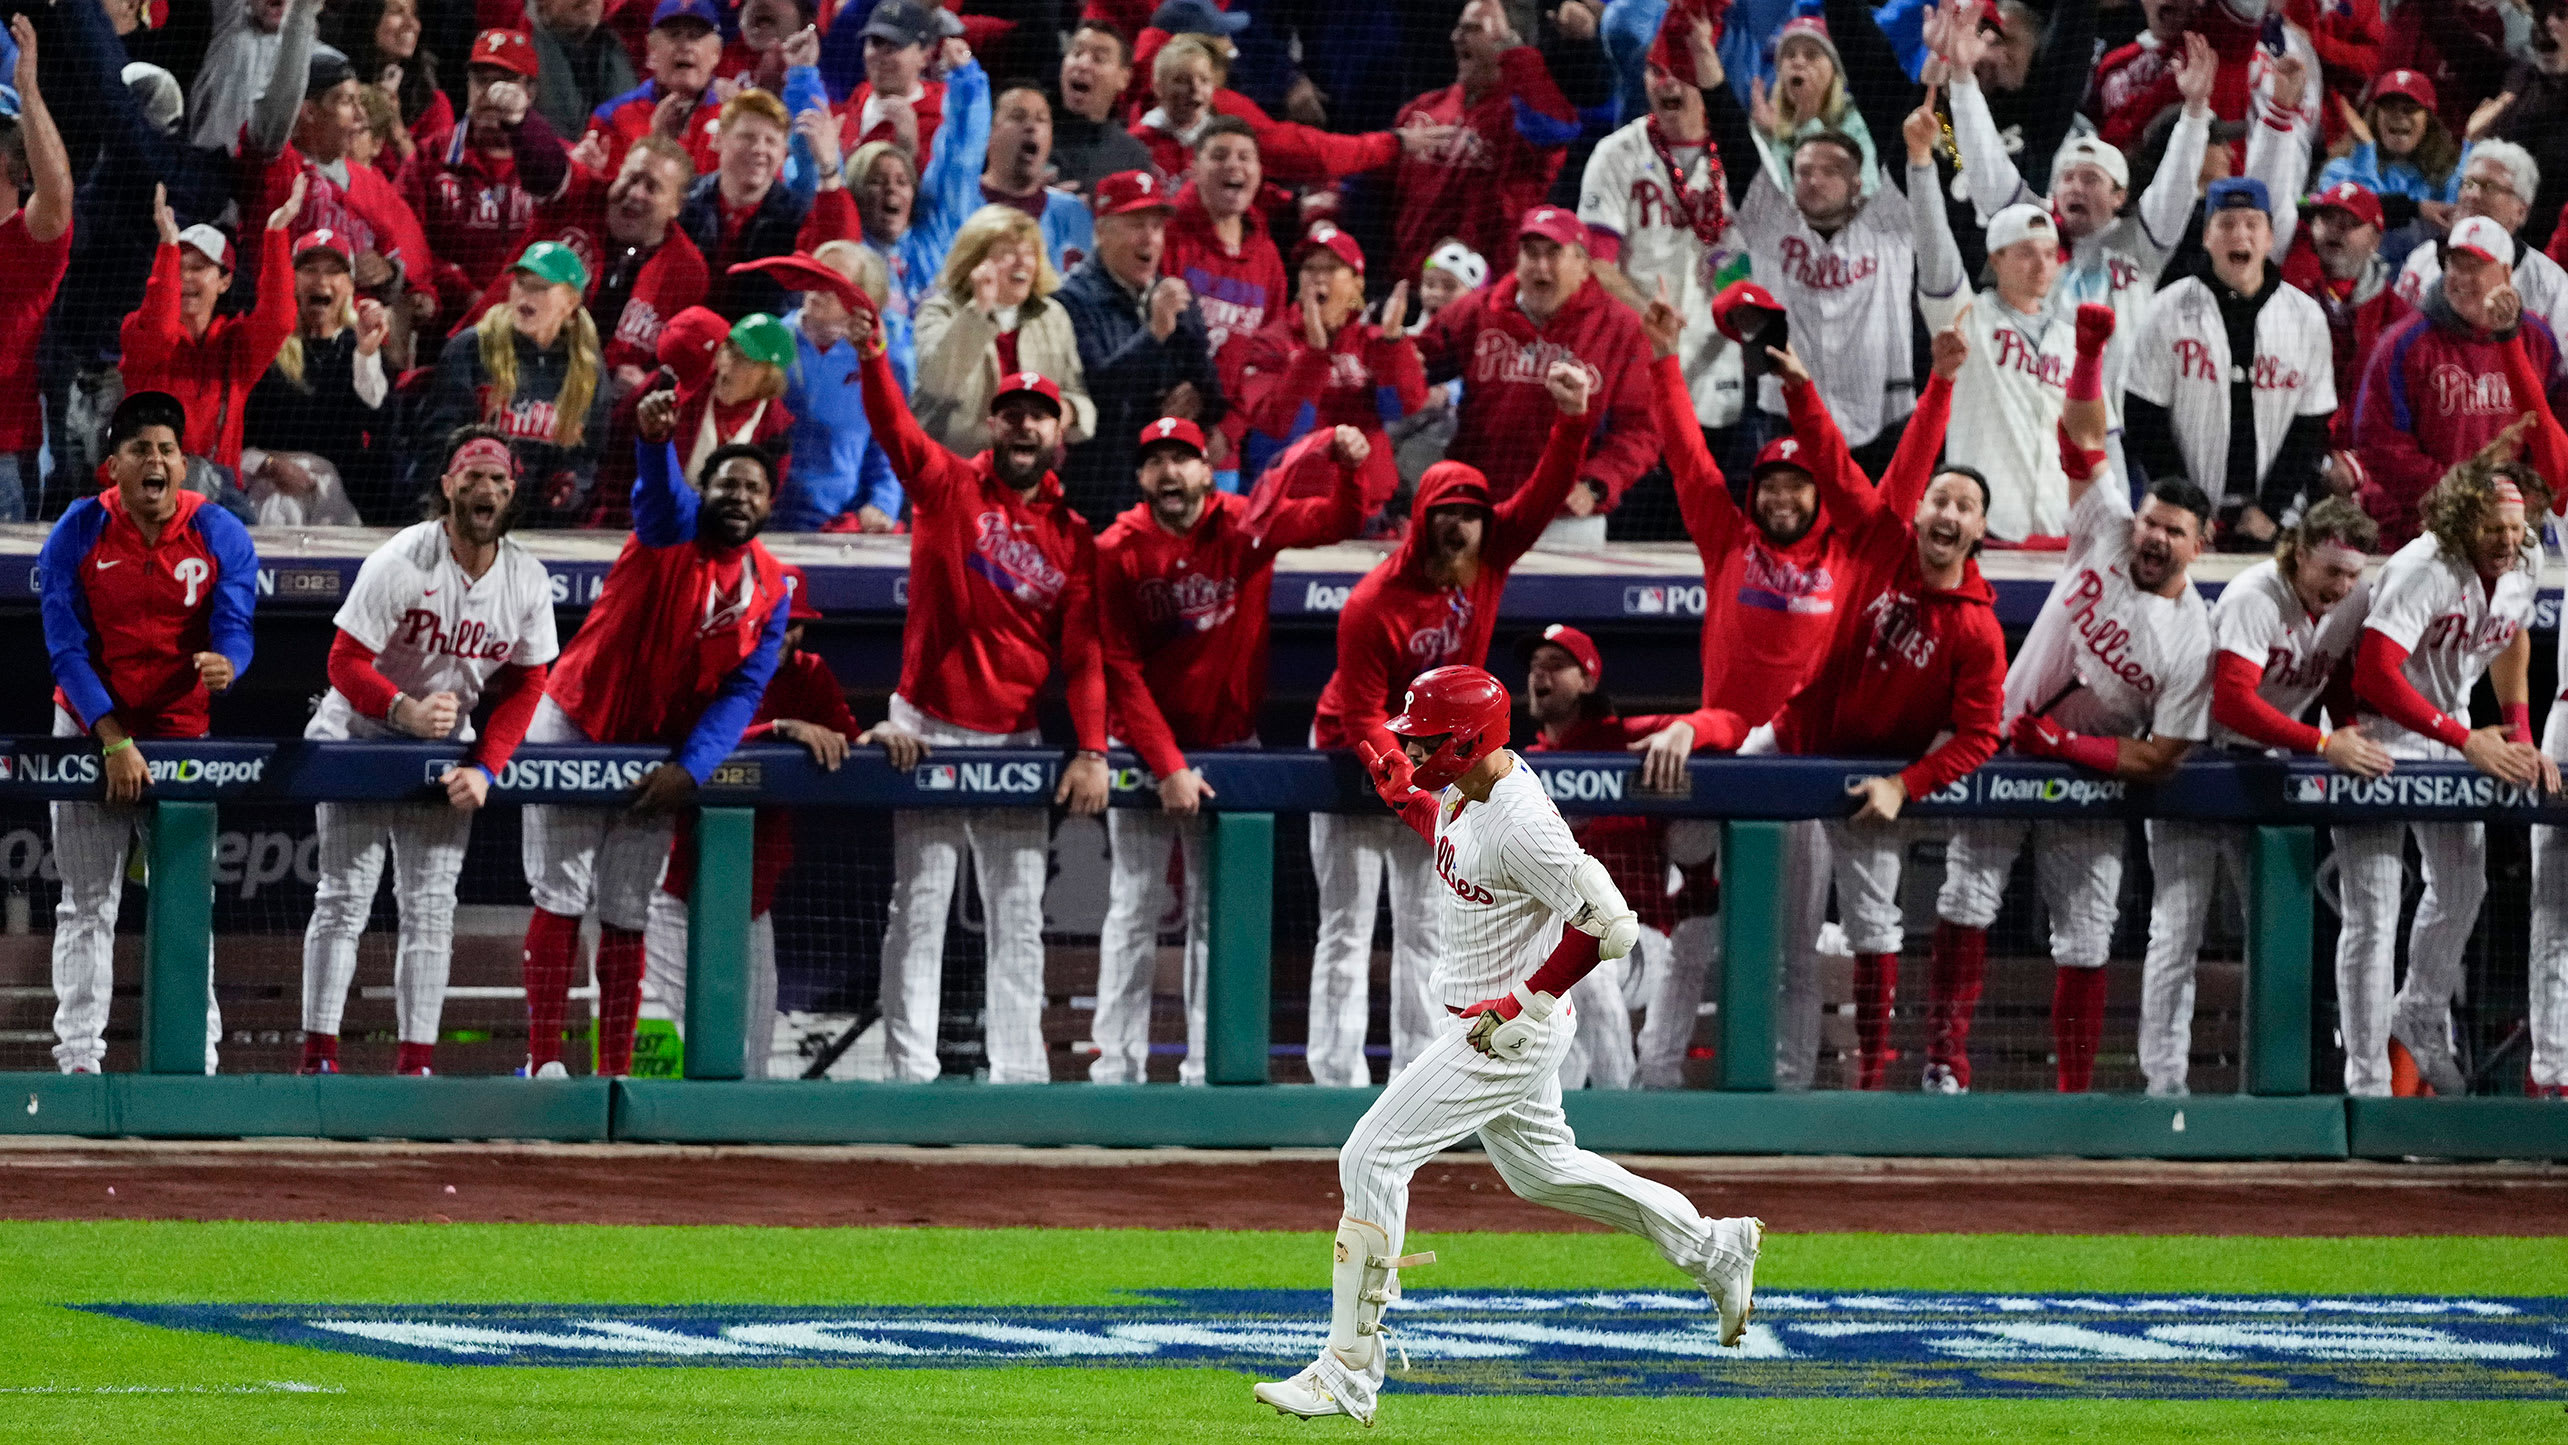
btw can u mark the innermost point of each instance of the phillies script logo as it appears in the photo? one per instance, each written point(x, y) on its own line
point(1776, 585)
point(2453, 632)
point(1430, 646)
point(1013, 564)
point(1463, 888)
point(1499, 357)
point(532, 420)
point(2460, 392)
point(1895, 633)
point(1194, 602)
point(2013, 350)
point(2269, 373)
point(1828, 272)
point(424, 631)
point(2106, 637)
point(2285, 667)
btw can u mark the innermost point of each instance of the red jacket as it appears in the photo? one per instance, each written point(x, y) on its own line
point(210, 375)
point(1501, 356)
point(1485, 179)
point(1904, 661)
point(1399, 621)
point(1238, 291)
point(626, 118)
point(474, 205)
point(803, 690)
point(672, 279)
point(1291, 154)
point(1184, 619)
point(2434, 394)
point(1289, 389)
point(2136, 82)
point(2354, 326)
point(1002, 586)
point(929, 108)
point(369, 210)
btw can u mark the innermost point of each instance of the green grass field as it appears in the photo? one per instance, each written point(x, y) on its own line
point(66, 1375)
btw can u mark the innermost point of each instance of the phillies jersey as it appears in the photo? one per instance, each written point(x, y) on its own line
point(125, 618)
point(1504, 873)
point(2451, 623)
point(2183, 363)
point(2261, 619)
point(2105, 658)
point(683, 637)
point(1630, 201)
point(1851, 288)
point(2006, 409)
point(433, 629)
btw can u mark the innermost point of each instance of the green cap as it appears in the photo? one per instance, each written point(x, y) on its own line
point(554, 262)
point(762, 337)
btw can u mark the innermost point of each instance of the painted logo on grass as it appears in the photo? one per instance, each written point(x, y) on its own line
point(1636, 1343)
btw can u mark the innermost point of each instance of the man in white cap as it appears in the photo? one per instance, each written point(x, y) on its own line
point(2498, 182)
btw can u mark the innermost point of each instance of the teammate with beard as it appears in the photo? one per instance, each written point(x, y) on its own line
point(448, 612)
point(1003, 578)
point(676, 653)
point(2114, 676)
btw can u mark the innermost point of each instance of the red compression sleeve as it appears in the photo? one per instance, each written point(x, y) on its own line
point(517, 691)
point(1571, 961)
point(2518, 716)
point(2102, 754)
point(2381, 686)
point(353, 673)
point(2237, 706)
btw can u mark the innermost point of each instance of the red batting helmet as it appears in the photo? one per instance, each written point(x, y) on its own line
point(1466, 707)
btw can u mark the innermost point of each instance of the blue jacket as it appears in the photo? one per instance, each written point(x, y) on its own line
point(949, 185)
point(2363, 167)
point(838, 465)
point(1069, 230)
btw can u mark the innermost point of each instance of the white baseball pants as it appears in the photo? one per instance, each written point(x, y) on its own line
point(2370, 875)
point(2078, 867)
point(1011, 855)
point(1800, 914)
point(664, 977)
point(1350, 856)
point(1451, 1092)
point(2550, 929)
point(427, 846)
point(2185, 863)
point(576, 857)
point(1600, 1047)
point(1128, 947)
point(1675, 993)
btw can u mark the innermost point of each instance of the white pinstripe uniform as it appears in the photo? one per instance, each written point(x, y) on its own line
point(1128, 945)
point(1626, 191)
point(1851, 289)
point(432, 629)
point(2121, 662)
point(664, 978)
point(2434, 605)
point(1352, 855)
point(2550, 912)
point(577, 856)
point(1504, 884)
point(2183, 364)
point(2261, 618)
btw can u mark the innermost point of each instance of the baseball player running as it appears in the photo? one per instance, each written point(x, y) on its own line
point(2285, 632)
point(447, 612)
point(676, 653)
point(1182, 584)
point(1003, 579)
point(146, 595)
point(1432, 602)
point(1508, 875)
point(2114, 676)
point(2452, 604)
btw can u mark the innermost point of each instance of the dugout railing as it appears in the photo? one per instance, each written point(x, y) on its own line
point(2274, 1114)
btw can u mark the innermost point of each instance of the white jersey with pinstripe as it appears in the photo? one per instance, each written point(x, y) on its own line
point(1504, 873)
point(2261, 618)
point(2434, 605)
point(2104, 656)
point(2183, 363)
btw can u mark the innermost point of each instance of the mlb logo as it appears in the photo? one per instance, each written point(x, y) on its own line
point(8, 767)
point(2309, 790)
point(935, 778)
point(1644, 601)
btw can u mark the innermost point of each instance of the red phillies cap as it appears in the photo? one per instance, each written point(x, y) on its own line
point(2352, 199)
point(798, 610)
point(325, 239)
point(2404, 83)
point(1173, 431)
point(1033, 383)
point(510, 50)
point(1733, 298)
point(1327, 237)
point(1783, 451)
point(1580, 647)
point(1125, 192)
point(1554, 224)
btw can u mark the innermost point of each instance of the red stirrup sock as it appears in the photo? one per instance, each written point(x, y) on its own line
point(1952, 996)
point(619, 998)
point(414, 1059)
point(2077, 1024)
point(552, 952)
point(320, 1054)
point(1876, 984)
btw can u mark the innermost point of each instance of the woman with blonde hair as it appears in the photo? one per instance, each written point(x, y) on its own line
point(992, 315)
point(327, 394)
point(531, 367)
point(1808, 97)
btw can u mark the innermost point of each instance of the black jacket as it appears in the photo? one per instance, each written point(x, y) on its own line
point(770, 232)
point(1129, 371)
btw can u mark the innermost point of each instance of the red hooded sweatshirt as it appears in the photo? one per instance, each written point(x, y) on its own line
point(1292, 154)
point(1184, 618)
point(1481, 182)
point(1002, 585)
point(1289, 389)
point(1501, 356)
point(1400, 621)
point(211, 375)
point(1236, 290)
point(2435, 392)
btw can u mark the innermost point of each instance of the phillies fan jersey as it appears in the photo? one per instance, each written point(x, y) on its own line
point(2260, 618)
point(1504, 872)
point(124, 618)
point(433, 629)
point(2183, 364)
point(1629, 201)
point(2006, 409)
point(2451, 623)
point(1851, 289)
point(2105, 658)
point(2540, 281)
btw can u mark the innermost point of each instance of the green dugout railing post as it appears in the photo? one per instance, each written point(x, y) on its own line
point(1751, 951)
point(1238, 972)
point(2282, 888)
point(718, 944)
point(178, 937)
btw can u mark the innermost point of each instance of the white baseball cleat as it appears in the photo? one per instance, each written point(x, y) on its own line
point(1327, 1386)
point(1733, 1279)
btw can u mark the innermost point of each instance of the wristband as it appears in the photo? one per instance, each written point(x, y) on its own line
point(2451, 731)
point(118, 746)
point(2518, 719)
point(2323, 739)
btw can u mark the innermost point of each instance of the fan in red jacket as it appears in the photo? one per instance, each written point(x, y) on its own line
point(1432, 602)
point(1218, 246)
point(1501, 341)
point(1509, 128)
point(477, 191)
point(1185, 77)
point(366, 208)
point(683, 54)
point(642, 269)
point(1321, 365)
point(2336, 258)
point(175, 343)
point(902, 41)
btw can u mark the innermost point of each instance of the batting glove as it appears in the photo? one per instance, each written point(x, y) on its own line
point(1507, 1027)
point(1390, 769)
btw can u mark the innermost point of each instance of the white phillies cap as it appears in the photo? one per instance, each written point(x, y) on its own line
point(2022, 221)
point(2086, 150)
point(2483, 238)
point(209, 242)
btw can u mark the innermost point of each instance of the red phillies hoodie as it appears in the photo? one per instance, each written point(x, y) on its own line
point(1400, 621)
point(1501, 356)
point(1002, 585)
point(1236, 290)
point(1289, 389)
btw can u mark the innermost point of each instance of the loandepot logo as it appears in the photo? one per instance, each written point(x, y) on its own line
point(2076, 792)
point(179, 772)
point(1620, 1343)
